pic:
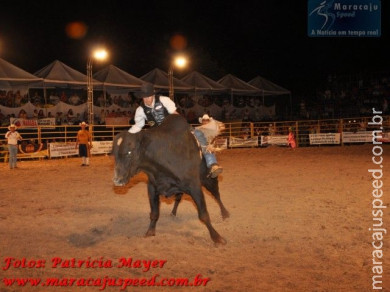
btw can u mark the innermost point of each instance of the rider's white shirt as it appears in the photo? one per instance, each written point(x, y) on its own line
point(140, 117)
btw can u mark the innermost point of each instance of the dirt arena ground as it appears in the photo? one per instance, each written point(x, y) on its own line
point(299, 222)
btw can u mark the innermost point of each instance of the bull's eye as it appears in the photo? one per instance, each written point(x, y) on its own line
point(125, 154)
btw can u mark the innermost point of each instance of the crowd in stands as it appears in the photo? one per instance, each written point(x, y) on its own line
point(14, 99)
point(68, 118)
point(338, 97)
point(218, 106)
point(348, 96)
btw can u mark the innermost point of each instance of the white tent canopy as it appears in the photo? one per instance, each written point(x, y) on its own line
point(268, 87)
point(160, 80)
point(238, 86)
point(203, 84)
point(57, 74)
point(13, 77)
point(113, 77)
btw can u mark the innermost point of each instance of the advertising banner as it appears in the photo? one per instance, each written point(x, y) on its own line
point(325, 138)
point(274, 140)
point(32, 123)
point(358, 137)
point(69, 149)
point(241, 142)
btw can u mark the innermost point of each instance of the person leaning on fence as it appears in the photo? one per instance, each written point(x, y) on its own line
point(84, 142)
point(13, 137)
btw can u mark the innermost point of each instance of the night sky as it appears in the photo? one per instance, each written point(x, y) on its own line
point(243, 38)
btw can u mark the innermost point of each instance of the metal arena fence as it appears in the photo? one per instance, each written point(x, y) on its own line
point(37, 141)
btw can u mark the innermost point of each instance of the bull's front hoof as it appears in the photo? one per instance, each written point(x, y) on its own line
point(225, 215)
point(150, 233)
point(118, 183)
point(220, 241)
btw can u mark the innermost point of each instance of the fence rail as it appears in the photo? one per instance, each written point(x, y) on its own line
point(41, 136)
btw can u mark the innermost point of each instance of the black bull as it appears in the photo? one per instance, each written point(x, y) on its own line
point(169, 155)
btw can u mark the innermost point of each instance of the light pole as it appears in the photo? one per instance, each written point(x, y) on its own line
point(99, 55)
point(170, 81)
point(179, 62)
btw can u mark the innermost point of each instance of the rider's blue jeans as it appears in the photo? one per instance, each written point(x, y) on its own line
point(209, 156)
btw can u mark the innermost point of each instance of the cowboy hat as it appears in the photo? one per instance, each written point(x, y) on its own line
point(12, 126)
point(147, 89)
point(83, 124)
point(205, 117)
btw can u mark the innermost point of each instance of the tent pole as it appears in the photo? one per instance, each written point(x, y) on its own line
point(45, 97)
point(105, 98)
point(263, 96)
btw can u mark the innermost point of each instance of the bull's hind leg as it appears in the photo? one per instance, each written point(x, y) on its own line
point(154, 202)
point(204, 216)
point(177, 201)
point(225, 213)
point(211, 184)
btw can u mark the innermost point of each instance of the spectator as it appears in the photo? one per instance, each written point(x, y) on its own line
point(36, 99)
point(191, 117)
point(102, 117)
point(41, 115)
point(59, 118)
point(3, 97)
point(100, 101)
point(22, 114)
point(86, 116)
point(77, 119)
point(245, 115)
point(9, 98)
point(63, 97)
point(54, 98)
point(13, 137)
point(84, 142)
point(74, 99)
point(18, 99)
point(70, 116)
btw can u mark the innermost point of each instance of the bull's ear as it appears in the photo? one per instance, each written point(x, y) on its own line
point(118, 141)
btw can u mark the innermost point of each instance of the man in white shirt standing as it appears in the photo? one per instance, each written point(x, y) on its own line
point(153, 110)
point(13, 137)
